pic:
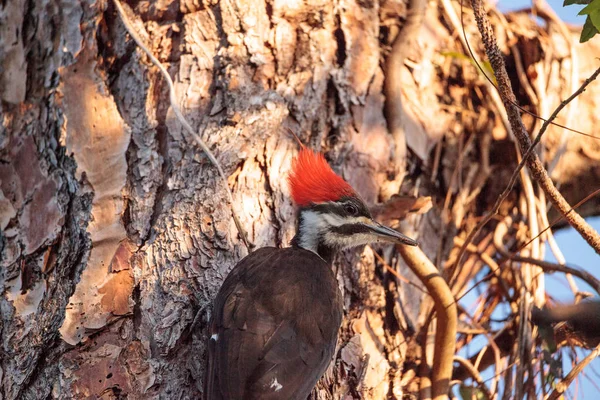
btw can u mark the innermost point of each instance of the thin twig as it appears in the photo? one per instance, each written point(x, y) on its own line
point(562, 386)
point(488, 260)
point(560, 217)
point(495, 350)
point(523, 340)
point(532, 222)
point(501, 230)
point(503, 263)
point(501, 343)
point(475, 375)
point(397, 274)
point(182, 120)
point(558, 255)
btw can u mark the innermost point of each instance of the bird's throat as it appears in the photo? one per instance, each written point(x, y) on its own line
point(325, 252)
point(310, 236)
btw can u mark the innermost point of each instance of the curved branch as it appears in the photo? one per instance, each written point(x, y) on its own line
point(544, 265)
point(552, 267)
point(447, 319)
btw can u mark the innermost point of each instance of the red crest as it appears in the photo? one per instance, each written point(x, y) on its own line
point(313, 181)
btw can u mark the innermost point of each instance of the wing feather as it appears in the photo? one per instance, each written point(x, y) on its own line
point(276, 327)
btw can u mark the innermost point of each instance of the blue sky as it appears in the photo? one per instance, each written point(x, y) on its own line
point(576, 251)
point(567, 14)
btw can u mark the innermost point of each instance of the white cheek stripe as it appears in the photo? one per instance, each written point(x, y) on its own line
point(311, 225)
point(336, 220)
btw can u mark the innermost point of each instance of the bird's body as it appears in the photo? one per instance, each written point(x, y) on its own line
point(276, 318)
point(277, 352)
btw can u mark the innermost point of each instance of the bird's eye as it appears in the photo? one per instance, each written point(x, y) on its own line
point(351, 209)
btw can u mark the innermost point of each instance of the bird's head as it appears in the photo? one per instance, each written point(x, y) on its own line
point(332, 216)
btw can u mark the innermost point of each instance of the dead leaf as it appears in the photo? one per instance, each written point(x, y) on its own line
point(398, 207)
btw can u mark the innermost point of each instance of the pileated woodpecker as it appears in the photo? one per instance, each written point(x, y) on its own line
point(276, 318)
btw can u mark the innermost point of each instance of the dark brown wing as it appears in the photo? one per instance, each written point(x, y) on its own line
point(274, 327)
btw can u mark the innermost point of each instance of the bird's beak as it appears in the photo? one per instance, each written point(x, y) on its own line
point(389, 234)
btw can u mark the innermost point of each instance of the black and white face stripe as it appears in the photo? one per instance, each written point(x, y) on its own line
point(335, 225)
point(326, 227)
point(350, 229)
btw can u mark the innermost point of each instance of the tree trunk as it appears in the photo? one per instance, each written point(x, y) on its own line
point(116, 230)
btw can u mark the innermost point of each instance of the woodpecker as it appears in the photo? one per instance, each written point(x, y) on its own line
point(276, 318)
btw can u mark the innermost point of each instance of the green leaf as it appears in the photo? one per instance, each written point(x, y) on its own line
point(489, 71)
point(590, 8)
point(455, 54)
point(469, 392)
point(571, 2)
point(595, 18)
point(588, 31)
point(486, 66)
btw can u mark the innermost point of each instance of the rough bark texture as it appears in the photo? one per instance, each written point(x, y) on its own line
point(115, 233)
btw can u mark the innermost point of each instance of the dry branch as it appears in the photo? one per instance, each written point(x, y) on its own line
point(562, 386)
point(533, 162)
point(544, 265)
point(552, 267)
point(470, 368)
point(447, 319)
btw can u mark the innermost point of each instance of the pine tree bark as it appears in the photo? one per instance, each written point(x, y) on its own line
point(115, 229)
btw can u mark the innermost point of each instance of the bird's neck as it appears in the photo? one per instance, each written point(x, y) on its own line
point(310, 234)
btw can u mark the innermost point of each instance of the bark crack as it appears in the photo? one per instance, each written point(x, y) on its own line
point(162, 190)
point(276, 223)
point(340, 52)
